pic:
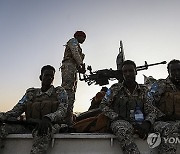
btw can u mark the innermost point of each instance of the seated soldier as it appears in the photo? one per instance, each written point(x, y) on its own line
point(96, 100)
point(94, 108)
point(45, 109)
point(126, 107)
point(91, 121)
point(165, 95)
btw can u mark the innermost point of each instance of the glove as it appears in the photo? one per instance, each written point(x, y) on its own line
point(44, 126)
point(82, 68)
point(143, 129)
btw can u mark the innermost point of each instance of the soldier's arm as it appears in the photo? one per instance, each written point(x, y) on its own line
point(151, 113)
point(74, 46)
point(155, 92)
point(17, 110)
point(60, 114)
point(106, 103)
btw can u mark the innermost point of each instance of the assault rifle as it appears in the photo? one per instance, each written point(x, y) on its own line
point(102, 77)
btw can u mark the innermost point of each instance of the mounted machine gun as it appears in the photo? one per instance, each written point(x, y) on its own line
point(102, 77)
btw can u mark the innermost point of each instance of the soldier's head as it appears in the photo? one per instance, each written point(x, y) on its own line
point(47, 75)
point(173, 68)
point(80, 36)
point(129, 71)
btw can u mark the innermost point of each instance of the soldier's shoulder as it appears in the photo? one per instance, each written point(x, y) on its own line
point(143, 86)
point(73, 42)
point(117, 86)
point(59, 89)
point(161, 82)
point(32, 89)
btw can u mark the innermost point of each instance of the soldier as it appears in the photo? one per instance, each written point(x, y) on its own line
point(96, 100)
point(94, 109)
point(45, 106)
point(165, 95)
point(126, 107)
point(71, 64)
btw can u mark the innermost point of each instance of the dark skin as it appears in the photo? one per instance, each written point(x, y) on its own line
point(80, 39)
point(47, 78)
point(129, 75)
point(174, 74)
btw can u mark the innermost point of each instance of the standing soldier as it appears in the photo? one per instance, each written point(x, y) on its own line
point(165, 95)
point(126, 107)
point(71, 64)
point(46, 107)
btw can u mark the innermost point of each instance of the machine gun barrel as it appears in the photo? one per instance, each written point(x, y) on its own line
point(146, 65)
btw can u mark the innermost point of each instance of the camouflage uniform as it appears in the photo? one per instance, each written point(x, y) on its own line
point(123, 127)
point(166, 127)
point(37, 104)
point(73, 58)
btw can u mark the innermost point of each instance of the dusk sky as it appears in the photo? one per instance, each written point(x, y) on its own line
point(32, 34)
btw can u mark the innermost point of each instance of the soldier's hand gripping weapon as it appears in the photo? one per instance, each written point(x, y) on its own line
point(82, 69)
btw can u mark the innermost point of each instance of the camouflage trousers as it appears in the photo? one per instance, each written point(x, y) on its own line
point(167, 130)
point(124, 132)
point(40, 143)
point(69, 82)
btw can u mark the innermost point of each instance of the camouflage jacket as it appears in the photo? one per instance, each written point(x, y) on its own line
point(158, 92)
point(158, 88)
point(107, 102)
point(73, 52)
point(33, 93)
